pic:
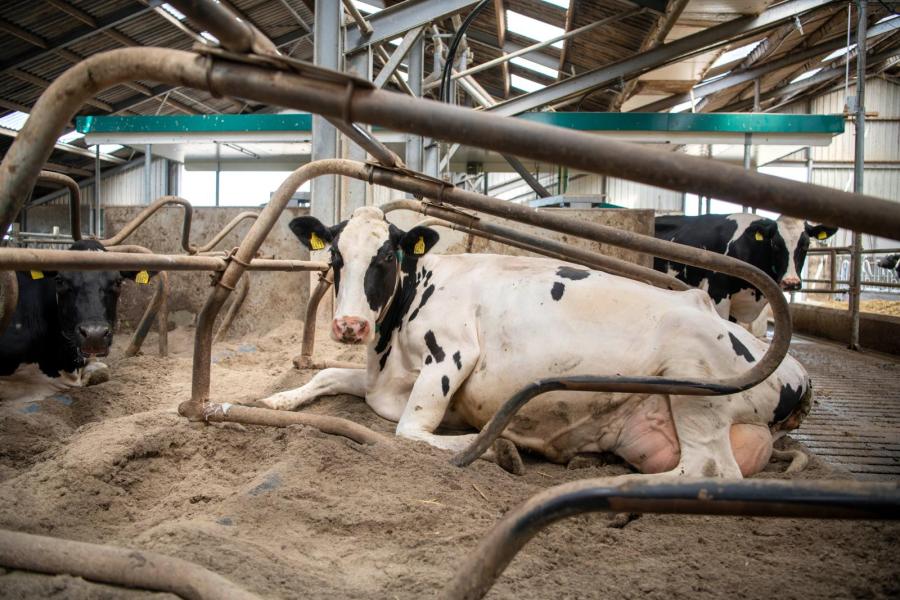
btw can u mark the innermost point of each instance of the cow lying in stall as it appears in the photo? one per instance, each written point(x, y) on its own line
point(451, 338)
point(777, 248)
point(62, 322)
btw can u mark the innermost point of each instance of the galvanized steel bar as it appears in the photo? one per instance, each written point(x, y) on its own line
point(398, 19)
point(74, 199)
point(858, 170)
point(761, 498)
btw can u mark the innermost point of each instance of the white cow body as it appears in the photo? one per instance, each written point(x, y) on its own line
point(493, 324)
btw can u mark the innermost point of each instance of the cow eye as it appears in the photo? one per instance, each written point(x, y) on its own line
point(389, 257)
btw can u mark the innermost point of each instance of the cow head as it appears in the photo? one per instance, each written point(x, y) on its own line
point(367, 255)
point(86, 303)
point(797, 234)
point(760, 245)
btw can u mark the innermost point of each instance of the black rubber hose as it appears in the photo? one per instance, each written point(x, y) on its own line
point(454, 45)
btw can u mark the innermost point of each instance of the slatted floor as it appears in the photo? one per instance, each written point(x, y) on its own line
point(855, 421)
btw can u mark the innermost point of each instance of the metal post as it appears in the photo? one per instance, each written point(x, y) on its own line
point(748, 145)
point(95, 222)
point(148, 159)
point(354, 192)
point(218, 171)
point(416, 62)
point(327, 50)
point(858, 170)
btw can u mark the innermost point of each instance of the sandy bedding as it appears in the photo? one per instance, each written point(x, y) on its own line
point(296, 513)
point(879, 307)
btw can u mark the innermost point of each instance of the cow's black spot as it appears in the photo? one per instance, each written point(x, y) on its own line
point(425, 296)
point(381, 277)
point(457, 358)
point(428, 360)
point(383, 359)
point(557, 291)
point(436, 351)
point(788, 400)
point(740, 349)
point(400, 305)
point(445, 384)
point(572, 273)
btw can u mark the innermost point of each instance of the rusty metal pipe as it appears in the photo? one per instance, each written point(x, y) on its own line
point(761, 498)
point(127, 567)
point(74, 199)
point(145, 214)
point(233, 33)
point(304, 361)
point(10, 287)
point(226, 230)
point(535, 141)
point(235, 413)
point(473, 225)
point(236, 303)
point(158, 308)
point(72, 260)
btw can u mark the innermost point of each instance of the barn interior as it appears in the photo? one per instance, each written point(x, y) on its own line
point(186, 136)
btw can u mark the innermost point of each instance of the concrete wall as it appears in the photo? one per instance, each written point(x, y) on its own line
point(876, 332)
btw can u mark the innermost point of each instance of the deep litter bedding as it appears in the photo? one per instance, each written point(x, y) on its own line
point(290, 513)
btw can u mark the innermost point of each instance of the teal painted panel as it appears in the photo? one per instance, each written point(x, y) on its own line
point(193, 123)
point(599, 121)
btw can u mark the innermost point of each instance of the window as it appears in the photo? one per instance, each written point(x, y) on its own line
point(536, 67)
point(532, 28)
point(173, 11)
point(560, 3)
point(736, 54)
point(806, 75)
point(839, 52)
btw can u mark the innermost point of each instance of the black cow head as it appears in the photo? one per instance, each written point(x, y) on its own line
point(367, 255)
point(86, 303)
point(760, 245)
point(797, 234)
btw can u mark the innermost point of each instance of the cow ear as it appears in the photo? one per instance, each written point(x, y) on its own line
point(418, 241)
point(139, 277)
point(820, 232)
point(311, 232)
point(762, 231)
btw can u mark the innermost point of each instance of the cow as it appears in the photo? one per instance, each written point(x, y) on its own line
point(891, 262)
point(778, 248)
point(451, 337)
point(62, 322)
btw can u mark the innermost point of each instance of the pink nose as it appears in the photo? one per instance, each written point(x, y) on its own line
point(350, 330)
point(790, 284)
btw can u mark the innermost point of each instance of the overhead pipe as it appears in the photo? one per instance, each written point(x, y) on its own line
point(577, 150)
point(750, 498)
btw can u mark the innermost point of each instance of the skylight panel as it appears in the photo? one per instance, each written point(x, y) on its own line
point(714, 78)
point(560, 3)
point(736, 54)
point(15, 120)
point(524, 84)
point(208, 36)
point(173, 11)
point(70, 137)
point(536, 67)
point(886, 19)
point(532, 28)
point(839, 52)
point(365, 8)
point(806, 75)
point(689, 105)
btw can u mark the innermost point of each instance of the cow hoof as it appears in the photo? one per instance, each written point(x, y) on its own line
point(507, 456)
point(95, 374)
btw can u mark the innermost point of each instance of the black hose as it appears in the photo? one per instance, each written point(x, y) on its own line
point(451, 50)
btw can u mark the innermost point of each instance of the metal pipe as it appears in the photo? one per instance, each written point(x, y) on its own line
point(10, 287)
point(226, 230)
point(71, 260)
point(858, 170)
point(74, 199)
point(96, 225)
point(234, 34)
point(368, 142)
point(577, 150)
point(126, 567)
point(764, 498)
point(145, 214)
point(304, 361)
point(595, 260)
point(236, 303)
point(231, 413)
point(158, 307)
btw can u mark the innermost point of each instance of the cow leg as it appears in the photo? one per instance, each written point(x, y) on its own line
point(326, 382)
point(704, 437)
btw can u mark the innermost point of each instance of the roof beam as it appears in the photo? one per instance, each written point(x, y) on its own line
point(79, 33)
point(663, 54)
point(69, 148)
point(44, 84)
point(400, 18)
point(659, 6)
point(704, 90)
point(509, 47)
point(412, 36)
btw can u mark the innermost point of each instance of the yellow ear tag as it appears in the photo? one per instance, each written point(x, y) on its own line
point(37, 274)
point(822, 235)
point(759, 237)
point(419, 248)
point(315, 242)
point(142, 277)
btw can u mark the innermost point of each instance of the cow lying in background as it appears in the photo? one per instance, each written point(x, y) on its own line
point(777, 248)
point(62, 321)
point(451, 338)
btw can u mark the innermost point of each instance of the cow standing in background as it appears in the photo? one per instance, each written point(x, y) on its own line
point(777, 248)
point(62, 322)
point(451, 338)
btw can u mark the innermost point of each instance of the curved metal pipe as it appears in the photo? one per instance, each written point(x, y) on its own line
point(145, 214)
point(10, 286)
point(763, 498)
point(226, 230)
point(74, 199)
point(304, 361)
point(236, 303)
point(335, 99)
point(158, 307)
point(125, 567)
point(472, 224)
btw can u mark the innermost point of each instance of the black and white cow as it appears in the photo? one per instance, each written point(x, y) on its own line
point(891, 262)
point(778, 248)
point(451, 338)
point(63, 320)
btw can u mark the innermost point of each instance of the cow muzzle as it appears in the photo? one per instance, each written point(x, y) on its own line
point(93, 339)
point(350, 330)
point(790, 284)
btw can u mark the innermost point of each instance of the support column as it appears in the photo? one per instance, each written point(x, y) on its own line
point(354, 190)
point(858, 171)
point(748, 155)
point(326, 53)
point(95, 223)
point(148, 180)
point(416, 62)
point(218, 171)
